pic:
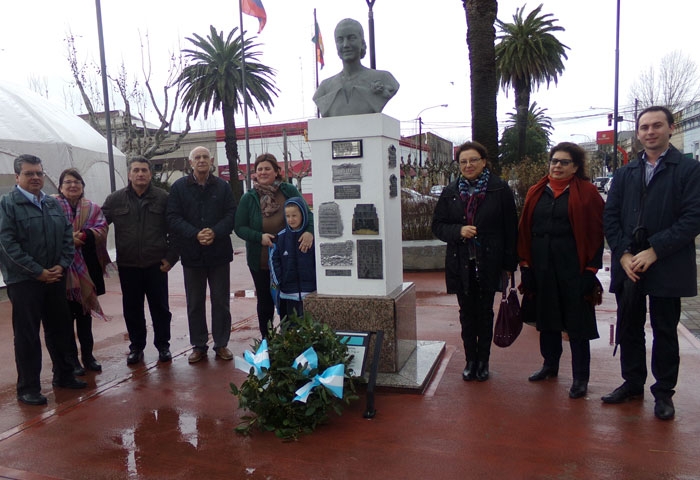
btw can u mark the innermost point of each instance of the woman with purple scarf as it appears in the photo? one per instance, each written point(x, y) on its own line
point(476, 217)
point(84, 278)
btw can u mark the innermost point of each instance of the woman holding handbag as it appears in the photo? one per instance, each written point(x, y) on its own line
point(560, 243)
point(476, 217)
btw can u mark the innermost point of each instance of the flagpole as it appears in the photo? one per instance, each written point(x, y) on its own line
point(245, 104)
point(316, 47)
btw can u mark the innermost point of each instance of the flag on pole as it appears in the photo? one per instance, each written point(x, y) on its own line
point(318, 40)
point(255, 8)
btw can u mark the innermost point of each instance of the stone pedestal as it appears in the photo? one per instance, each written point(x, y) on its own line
point(394, 314)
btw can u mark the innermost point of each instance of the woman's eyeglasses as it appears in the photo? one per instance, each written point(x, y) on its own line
point(563, 163)
point(69, 183)
point(470, 161)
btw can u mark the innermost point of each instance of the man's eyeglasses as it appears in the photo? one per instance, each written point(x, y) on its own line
point(69, 183)
point(32, 174)
point(470, 161)
point(563, 163)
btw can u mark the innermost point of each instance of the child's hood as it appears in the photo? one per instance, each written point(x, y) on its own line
point(299, 202)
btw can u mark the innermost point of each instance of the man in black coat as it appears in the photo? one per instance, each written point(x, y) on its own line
point(651, 219)
point(201, 212)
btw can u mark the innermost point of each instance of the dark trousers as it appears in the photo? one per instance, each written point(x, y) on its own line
point(476, 318)
point(665, 313)
point(266, 306)
point(152, 284)
point(83, 328)
point(551, 350)
point(35, 303)
point(219, 280)
point(288, 307)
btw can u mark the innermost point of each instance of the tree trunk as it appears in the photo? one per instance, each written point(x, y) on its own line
point(522, 106)
point(231, 144)
point(481, 37)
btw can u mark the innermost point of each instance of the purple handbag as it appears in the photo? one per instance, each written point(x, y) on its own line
point(508, 322)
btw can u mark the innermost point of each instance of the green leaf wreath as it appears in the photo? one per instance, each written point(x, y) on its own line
point(270, 398)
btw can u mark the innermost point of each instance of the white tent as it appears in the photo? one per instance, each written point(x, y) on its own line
point(31, 124)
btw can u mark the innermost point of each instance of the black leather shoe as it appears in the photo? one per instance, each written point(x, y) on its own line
point(663, 409)
point(135, 356)
point(164, 355)
point(623, 393)
point(578, 389)
point(78, 371)
point(71, 382)
point(482, 371)
point(92, 365)
point(544, 373)
point(32, 399)
point(469, 372)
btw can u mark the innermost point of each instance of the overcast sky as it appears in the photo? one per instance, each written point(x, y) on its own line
point(422, 43)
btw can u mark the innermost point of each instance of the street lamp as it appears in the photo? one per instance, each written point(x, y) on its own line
point(420, 132)
point(588, 138)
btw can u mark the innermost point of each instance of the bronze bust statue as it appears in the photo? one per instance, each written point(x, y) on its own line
point(357, 89)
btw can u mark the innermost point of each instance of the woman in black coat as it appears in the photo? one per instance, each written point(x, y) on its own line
point(561, 246)
point(476, 217)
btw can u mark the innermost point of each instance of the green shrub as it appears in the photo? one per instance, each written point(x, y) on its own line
point(270, 398)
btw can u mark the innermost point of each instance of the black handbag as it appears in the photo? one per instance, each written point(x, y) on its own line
point(508, 323)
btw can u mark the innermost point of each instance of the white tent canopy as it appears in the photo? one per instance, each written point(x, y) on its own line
point(31, 124)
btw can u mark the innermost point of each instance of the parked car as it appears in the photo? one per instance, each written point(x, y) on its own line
point(607, 186)
point(436, 190)
point(600, 182)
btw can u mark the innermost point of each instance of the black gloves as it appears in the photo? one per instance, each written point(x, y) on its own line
point(527, 281)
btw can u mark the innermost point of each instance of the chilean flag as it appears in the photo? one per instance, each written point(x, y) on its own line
point(255, 8)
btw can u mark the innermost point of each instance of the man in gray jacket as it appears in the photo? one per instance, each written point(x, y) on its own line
point(144, 257)
point(36, 247)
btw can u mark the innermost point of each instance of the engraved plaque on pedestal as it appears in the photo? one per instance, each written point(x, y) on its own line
point(346, 192)
point(334, 272)
point(330, 224)
point(369, 259)
point(365, 220)
point(393, 188)
point(392, 156)
point(347, 172)
point(336, 254)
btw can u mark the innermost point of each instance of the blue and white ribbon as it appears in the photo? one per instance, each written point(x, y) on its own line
point(332, 378)
point(260, 360)
point(309, 358)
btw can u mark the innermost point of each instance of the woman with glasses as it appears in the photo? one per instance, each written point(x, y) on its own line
point(560, 244)
point(84, 278)
point(476, 217)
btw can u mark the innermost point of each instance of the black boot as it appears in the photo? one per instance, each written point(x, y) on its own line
point(544, 373)
point(469, 372)
point(578, 389)
point(482, 371)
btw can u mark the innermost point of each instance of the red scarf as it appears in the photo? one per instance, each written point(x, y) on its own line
point(585, 214)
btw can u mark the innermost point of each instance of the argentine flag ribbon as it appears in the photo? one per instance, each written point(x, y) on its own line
point(309, 358)
point(258, 361)
point(332, 378)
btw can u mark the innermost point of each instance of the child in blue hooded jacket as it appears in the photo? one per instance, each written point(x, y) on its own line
point(294, 271)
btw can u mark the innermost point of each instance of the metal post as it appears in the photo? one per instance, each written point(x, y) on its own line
point(617, 82)
point(372, 58)
point(245, 106)
point(105, 93)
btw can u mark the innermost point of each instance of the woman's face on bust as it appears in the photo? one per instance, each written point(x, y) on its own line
point(265, 173)
point(471, 164)
point(348, 42)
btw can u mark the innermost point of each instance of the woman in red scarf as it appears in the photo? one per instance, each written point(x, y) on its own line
point(476, 217)
point(84, 278)
point(560, 243)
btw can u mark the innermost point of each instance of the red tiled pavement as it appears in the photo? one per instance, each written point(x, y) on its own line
point(176, 421)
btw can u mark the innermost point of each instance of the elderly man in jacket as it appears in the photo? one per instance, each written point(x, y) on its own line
point(201, 212)
point(36, 248)
point(651, 219)
point(144, 257)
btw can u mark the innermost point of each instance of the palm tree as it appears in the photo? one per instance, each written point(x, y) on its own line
point(527, 55)
point(213, 82)
point(539, 130)
point(481, 35)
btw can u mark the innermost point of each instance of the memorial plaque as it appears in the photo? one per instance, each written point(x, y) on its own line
point(336, 254)
point(333, 272)
point(346, 148)
point(369, 259)
point(392, 156)
point(393, 186)
point(330, 223)
point(346, 192)
point(347, 172)
point(365, 220)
